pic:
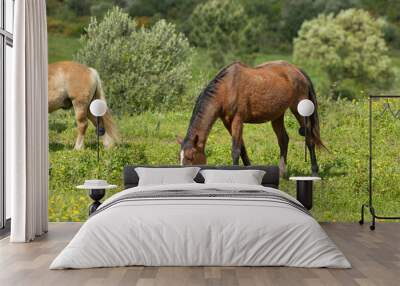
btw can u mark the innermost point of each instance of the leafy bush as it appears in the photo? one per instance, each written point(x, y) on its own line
point(347, 88)
point(141, 69)
point(347, 46)
point(391, 33)
point(262, 31)
point(216, 25)
point(295, 12)
point(388, 8)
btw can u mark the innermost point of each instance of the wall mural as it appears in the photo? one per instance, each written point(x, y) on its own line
point(388, 108)
point(385, 109)
point(171, 73)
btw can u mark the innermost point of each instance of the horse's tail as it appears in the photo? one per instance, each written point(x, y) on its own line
point(315, 134)
point(111, 132)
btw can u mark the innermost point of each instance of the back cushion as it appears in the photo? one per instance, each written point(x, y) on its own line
point(163, 176)
point(271, 177)
point(248, 177)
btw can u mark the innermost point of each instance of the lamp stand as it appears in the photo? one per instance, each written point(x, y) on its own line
point(98, 139)
point(305, 138)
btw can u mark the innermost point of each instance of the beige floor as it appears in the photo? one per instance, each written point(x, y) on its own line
point(375, 257)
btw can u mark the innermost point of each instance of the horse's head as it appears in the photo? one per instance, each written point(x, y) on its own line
point(191, 153)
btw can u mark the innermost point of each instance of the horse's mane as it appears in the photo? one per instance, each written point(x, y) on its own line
point(205, 95)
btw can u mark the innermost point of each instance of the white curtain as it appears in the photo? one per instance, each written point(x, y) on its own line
point(26, 124)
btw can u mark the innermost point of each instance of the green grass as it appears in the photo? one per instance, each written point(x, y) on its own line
point(62, 48)
point(150, 139)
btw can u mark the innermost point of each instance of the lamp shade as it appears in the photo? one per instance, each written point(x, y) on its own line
point(98, 107)
point(305, 107)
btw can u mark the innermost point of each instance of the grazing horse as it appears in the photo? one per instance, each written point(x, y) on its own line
point(241, 94)
point(75, 85)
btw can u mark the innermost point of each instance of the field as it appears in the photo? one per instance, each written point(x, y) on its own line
point(61, 47)
point(149, 138)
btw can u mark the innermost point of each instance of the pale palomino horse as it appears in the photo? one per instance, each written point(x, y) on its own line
point(75, 85)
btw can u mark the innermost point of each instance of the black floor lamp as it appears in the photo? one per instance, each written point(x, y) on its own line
point(98, 108)
point(306, 109)
point(97, 188)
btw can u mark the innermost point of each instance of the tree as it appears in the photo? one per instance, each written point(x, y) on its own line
point(262, 30)
point(168, 9)
point(347, 46)
point(216, 25)
point(141, 69)
point(295, 12)
point(79, 7)
point(387, 8)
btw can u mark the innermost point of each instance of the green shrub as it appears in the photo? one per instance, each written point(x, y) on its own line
point(141, 69)
point(295, 12)
point(255, 36)
point(391, 33)
point(216, 26)
point(347, 88)
point(347, 46)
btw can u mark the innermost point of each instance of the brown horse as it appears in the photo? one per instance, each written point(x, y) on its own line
point(241, 94)
point(75, 85)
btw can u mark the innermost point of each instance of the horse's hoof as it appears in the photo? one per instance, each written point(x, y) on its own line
point(101, 131)
point(302, 131)
point(108, 147)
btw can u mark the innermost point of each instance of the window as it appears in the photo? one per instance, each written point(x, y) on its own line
point(6, 60)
